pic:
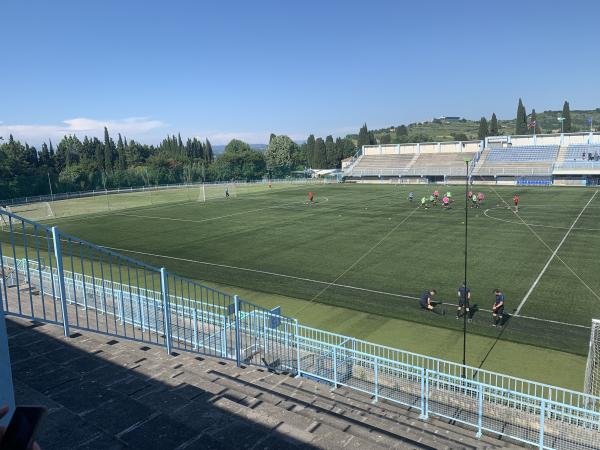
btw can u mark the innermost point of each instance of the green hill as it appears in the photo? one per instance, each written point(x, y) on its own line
point(464, 129)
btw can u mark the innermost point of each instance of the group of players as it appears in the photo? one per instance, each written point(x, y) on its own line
point(464, 304)
point(476, 199)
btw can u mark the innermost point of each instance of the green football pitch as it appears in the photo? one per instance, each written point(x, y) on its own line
point(357, 262)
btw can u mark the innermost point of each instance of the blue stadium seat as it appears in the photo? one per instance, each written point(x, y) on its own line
point(582, 152)
point(525, 153)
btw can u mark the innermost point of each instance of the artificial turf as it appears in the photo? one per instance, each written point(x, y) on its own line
point(364, 252)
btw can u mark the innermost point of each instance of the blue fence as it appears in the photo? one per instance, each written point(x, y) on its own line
point(50, 276)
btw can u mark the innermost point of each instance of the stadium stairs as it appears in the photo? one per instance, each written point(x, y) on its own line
point(104, 392)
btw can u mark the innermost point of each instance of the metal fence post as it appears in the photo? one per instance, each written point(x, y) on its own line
point(164, 289)
point(479, 410)
point(61, 279)
point(195, 327)
point(236, 303)
point(542, 419)
point(376, 378)
point(298, 371)
point(424, 394)
point(334, 354)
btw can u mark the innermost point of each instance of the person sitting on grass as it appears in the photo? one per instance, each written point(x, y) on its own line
point(426, 301)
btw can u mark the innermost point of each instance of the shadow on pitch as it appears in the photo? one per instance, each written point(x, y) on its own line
point(506, 319)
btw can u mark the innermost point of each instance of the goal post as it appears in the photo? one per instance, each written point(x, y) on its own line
point(217, 191)
point(4, 225)
point(592, 370)
point(49, 211)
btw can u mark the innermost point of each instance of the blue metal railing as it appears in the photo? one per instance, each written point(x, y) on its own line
point(50, 276)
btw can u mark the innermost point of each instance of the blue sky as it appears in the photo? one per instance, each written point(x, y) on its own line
point(246, 69)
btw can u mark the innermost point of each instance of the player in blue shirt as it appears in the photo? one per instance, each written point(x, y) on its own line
point(411, 196)
point(498, 308)
point(464, 300)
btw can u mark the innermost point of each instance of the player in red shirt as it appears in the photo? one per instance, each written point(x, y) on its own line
point(311, 201)
point(470, 195)
point(516, 200)
point(480, 199)
point(436, 194)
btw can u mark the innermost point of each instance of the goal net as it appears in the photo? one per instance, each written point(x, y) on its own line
point(4, 225)
point(217, 191)
point(592, 370)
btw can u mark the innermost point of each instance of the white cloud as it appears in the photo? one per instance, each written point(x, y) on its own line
point(132, 127)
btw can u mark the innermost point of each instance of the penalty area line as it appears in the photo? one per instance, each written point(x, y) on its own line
point(552, 256)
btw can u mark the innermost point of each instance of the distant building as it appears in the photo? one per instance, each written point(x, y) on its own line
point(448, 118)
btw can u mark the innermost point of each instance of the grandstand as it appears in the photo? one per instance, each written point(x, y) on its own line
point(562, 159)
point(513, 161)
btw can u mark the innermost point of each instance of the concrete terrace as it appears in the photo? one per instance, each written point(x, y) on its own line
point(108, 393)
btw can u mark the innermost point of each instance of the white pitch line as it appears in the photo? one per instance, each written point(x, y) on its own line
point(533, 286)
point(264, 272)
point(347, 286)
point(359, 259)
point(357, 288)
point(141, 216)
point(527, 224)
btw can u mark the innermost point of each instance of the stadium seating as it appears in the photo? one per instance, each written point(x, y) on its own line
point(375, 165)
point(402, 162)
point(446, 163)
point(528, 153)
point(517, 160)
point(582, 152)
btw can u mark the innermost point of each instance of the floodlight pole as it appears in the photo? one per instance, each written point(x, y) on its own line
point(465, 306)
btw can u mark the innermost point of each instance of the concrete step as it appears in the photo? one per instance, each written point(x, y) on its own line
point(362, 425)
point(376, 416)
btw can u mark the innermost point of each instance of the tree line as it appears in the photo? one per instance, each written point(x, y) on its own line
point(91, 163)
point(525, 124)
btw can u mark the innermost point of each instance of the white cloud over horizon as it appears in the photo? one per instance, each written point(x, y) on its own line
point(132, 127)
point(142, 129)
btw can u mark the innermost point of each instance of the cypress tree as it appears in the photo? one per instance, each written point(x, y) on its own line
point(45, 155)
point(521, 125)
point(331, 157)
point(566, 113)
point(121, 153)
point(494, 131)
point(483, 131)
point(208, 152)
point(372, 139)
point(107, 151)
point(271, 137)
point(310, 150)
point(363, 136)
point(320, 161)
